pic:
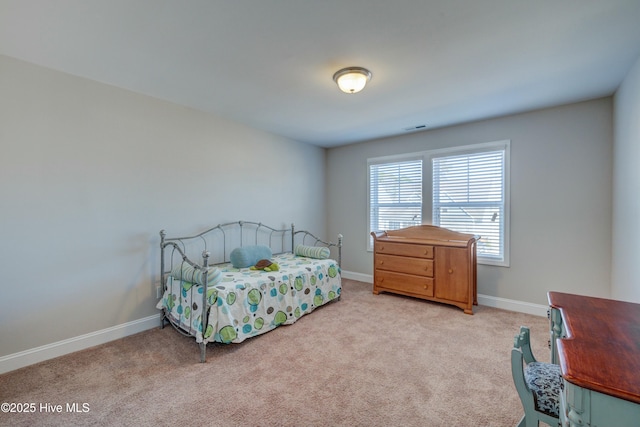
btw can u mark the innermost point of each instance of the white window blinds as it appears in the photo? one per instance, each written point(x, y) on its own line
point(469, 196)
point(395, 195)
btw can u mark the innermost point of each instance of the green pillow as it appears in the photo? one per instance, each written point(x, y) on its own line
point(187, 273)
point(319, 252)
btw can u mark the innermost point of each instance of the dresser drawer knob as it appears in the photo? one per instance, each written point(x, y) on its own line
point(450, 270)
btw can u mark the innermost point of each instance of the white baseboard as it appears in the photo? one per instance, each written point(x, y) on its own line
point(60, 348)
point(489, 301)
point(366, 278)
point(513, 305)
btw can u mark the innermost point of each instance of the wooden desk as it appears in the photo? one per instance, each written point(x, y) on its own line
point(596, 341)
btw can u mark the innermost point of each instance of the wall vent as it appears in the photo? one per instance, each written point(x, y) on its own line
point(418, 127)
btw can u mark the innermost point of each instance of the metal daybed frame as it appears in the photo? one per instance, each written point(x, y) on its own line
point(232, 234)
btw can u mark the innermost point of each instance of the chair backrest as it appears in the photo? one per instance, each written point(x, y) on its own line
point(523, 343)
point(521, 354)
point(542, 402)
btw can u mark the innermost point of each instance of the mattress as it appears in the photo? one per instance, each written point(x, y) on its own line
point(246, 303)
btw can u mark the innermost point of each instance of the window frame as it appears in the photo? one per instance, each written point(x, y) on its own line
point(427, 187)
point(389, 160)
point(504, 145)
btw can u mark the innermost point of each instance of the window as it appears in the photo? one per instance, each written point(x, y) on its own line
point(469, 195)
point(395, 195)
point(464, 189)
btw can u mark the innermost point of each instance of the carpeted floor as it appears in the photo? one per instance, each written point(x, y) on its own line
point(365, 360)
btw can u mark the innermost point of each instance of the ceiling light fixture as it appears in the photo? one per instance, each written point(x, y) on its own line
point(352, 79)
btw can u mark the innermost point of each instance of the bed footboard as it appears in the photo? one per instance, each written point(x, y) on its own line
point(306, 238)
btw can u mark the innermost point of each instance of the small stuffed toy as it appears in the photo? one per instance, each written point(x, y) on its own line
point(266, 265)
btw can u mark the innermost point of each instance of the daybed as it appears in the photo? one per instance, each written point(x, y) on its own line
point(241, 300)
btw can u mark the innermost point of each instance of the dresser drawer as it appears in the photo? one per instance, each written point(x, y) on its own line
point(400, 282)
point(404, 249)
point(419, 266)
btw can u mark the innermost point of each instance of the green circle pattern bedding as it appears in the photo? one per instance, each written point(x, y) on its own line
point(245, 303)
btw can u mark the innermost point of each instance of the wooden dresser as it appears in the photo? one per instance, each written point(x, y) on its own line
point(427, 262)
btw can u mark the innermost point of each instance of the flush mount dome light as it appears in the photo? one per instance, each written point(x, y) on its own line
point(352, 79)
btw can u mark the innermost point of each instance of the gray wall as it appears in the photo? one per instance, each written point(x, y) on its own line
point(89, 174)
point(625, 268)
point(561, 177)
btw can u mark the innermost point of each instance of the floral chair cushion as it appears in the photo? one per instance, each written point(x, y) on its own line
point(544, 381)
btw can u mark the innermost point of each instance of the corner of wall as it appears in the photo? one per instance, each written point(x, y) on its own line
point(626, 179)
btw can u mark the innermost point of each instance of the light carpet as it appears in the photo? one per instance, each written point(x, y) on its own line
point(366, 360)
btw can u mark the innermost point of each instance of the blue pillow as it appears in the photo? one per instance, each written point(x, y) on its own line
point(247, 256)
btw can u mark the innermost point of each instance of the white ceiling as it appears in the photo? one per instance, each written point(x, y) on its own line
point(269, 63)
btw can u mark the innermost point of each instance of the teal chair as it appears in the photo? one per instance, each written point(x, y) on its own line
point(538, 384)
